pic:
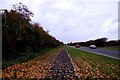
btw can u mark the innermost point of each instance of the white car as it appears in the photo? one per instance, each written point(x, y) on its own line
point(92, 46)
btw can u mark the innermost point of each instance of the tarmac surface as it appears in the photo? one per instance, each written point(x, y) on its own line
point(105, 52)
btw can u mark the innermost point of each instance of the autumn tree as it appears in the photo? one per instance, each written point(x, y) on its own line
point(19, 35)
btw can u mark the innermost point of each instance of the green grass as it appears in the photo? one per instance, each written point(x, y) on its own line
point(94, 65)
point(23, 70)
point(28, 56)
point(112, 48)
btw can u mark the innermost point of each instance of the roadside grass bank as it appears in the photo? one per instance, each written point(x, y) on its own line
point(90, 65)
point(34, 68)
point(27, 56)
point(112, 48)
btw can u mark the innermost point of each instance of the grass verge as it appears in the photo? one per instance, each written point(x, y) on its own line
point(34, 68)
point(27, 56)
point(112, 48)
point(92, 65)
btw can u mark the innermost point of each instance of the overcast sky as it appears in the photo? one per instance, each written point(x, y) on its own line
point(73, 20)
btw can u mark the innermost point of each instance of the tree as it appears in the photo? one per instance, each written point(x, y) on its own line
point(20, 36)
point(14, 23)
point(23, 10)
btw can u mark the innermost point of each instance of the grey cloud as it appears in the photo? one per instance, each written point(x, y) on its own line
point(73, 20)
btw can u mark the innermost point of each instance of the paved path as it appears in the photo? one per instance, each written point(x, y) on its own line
point(109, 53)
point(62, 68)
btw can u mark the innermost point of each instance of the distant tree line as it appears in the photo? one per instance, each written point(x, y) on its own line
point(20, 35)
point(101, 42)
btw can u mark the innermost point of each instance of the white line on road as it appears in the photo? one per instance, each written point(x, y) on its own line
point(98, 53)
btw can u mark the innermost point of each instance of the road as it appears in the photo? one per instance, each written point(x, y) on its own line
point(63, 68)
point(109, 53)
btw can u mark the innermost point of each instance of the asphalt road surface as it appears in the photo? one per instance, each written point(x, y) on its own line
point(62, 68)
point(109, 53)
